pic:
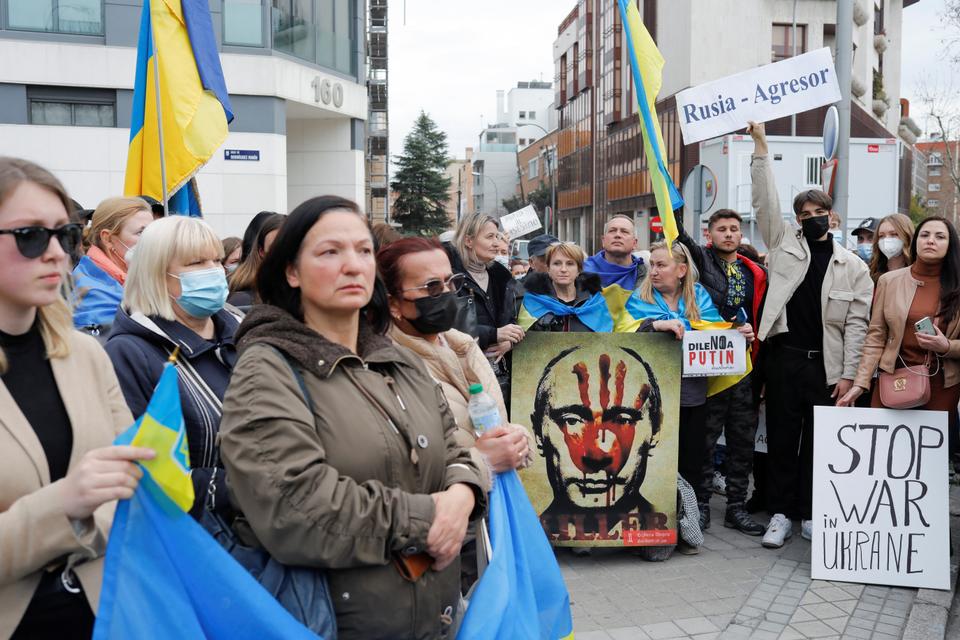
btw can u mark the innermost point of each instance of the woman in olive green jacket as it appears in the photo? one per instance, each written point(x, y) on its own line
point(371, 479)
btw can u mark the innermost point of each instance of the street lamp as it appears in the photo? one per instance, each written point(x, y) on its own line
point(496, 191)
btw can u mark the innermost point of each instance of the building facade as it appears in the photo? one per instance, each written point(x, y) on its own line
point(523, 115)
point(295, 70)
point(538, 164)
point(460, 193)
point(940, 196)
point(378, 124)
point(602, 170)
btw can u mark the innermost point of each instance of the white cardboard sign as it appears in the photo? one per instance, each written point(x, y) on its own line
point(880, 497)
point(521, 222)
point(761, 94)
point(713, 353)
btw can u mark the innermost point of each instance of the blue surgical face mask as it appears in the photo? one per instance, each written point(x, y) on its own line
point(202, 293)
point(865, 251)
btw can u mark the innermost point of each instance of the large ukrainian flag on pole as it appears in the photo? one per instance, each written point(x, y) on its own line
point(647, 65)
point(180, 103)
point(165, 577)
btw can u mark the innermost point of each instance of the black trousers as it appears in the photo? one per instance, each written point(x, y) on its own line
point(795, 384)
point(693, 443)
point(732, 412)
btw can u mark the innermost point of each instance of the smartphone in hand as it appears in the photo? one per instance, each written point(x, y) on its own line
point(740, 319)
point(925, 325)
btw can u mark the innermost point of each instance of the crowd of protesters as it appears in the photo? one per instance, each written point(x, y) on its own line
point(325, 370)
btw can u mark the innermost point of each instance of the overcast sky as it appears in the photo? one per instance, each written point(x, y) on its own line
point(450, 57)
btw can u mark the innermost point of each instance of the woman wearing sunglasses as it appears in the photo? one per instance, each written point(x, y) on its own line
point(175, 296)
point(60, 408)
point(113, 233)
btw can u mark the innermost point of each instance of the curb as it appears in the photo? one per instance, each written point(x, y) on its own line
point(931, 607)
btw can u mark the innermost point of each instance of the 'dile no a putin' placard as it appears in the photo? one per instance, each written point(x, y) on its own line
point(880, 501)
point(765, 93)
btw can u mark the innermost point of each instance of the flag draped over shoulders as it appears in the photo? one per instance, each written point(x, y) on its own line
point(636, 310)
point(593, 313)
point(177, 37)
point(165, 576)
point(647, 63)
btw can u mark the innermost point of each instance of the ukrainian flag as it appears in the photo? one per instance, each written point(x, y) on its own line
point(521, 594)
point(165, 577)
point(647, 65)
point(176, 36)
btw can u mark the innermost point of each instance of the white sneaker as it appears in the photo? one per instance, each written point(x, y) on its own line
point(779, 529)
point(806, 529)
point(719, 483)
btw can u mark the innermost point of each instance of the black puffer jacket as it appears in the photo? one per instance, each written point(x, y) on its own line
point(588, 284)
point(496, 306)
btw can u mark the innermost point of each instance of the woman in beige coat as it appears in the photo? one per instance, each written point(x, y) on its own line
point(60, 408)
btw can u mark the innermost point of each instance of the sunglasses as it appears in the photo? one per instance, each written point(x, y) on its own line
point(32, 242)
point(436, 288)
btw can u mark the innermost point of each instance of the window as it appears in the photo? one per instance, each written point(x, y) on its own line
point(533, 169)
point(933, 203)
point(76, 114)
point(813, 169)
point(933, 171)
point(935, 159)
point(783, 41)
point(933, 186)
point(59, 16)
point(532, 115)
point(72, 106)
point(243, 22)
point(523, 115)
point(293, 29)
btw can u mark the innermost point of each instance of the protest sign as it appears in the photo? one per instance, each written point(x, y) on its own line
point(772, 91)
point(713, 353)
point(604, 414)
point(521, 222)
point(880, 501)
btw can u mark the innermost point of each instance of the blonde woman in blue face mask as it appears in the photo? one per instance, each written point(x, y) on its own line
point(175, 296)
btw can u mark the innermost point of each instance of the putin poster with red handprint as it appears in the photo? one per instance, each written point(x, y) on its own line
point(603, 409)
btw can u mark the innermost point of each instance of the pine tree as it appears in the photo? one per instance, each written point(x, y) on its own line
point(420, 183)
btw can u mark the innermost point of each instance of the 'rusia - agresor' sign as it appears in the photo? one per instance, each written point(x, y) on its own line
point(713, 353)
point(761, 94)
point(880, 503)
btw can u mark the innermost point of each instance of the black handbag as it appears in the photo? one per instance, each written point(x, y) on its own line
point(466, 318)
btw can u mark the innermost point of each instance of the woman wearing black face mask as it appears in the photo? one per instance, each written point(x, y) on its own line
point(423, 304)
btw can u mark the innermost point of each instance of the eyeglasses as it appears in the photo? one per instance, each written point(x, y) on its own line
point(32, 242)
point(436, 288)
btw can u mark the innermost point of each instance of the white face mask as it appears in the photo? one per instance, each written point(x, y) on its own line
point(891, 247)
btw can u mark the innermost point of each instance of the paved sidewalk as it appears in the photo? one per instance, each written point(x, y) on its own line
point(733, 589)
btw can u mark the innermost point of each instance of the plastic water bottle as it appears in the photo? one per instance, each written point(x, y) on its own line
point(484, 413)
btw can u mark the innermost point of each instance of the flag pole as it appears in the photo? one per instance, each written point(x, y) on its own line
point(156, 95)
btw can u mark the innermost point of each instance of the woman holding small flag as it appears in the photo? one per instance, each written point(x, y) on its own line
point(564, 298)
point(60, 409)
point(340, 447)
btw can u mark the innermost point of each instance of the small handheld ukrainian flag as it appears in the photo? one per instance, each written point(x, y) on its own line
point(165, 577)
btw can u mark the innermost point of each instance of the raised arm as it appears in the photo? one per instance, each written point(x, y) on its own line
point(764, 196)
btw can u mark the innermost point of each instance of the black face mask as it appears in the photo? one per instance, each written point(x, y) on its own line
point(814, 228)
point(435, 315)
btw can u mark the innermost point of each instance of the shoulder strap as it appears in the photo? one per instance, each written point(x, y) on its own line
point(298, 376)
